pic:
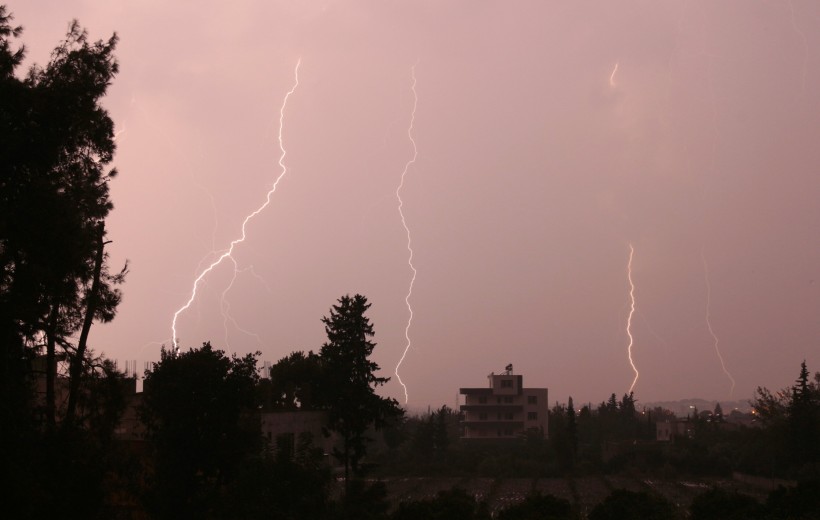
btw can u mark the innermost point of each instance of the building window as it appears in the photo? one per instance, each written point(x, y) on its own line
point(506, 383)
point(498, 400)
point(482, 417)
point(532, 416)
point(532, 399)
point(508, 399)
point(482, 399)
point(508, 416)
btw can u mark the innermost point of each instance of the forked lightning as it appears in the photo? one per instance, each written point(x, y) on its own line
point(229, 252)
point(629, 319)
point(709, 323)
point(407, 230)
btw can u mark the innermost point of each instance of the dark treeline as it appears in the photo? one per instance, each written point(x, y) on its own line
point(199, 451)
point(617, 437)
point(207, 457)
point(779, 439)
point(56, 144)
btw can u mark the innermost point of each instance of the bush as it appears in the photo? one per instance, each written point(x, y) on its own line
point(623, 505)
point(538, 507)
point(719, 504)
point(795, 503)
point(455, 504)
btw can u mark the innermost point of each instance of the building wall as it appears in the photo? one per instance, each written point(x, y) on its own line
point(504, 410)
point(130, 427)
point(284, 429)
point(669, 430)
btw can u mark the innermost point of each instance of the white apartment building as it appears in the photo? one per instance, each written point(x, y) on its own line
point(505, 409)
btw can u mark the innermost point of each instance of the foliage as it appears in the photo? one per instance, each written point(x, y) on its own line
point(280, 488)
point(572, 431)
point(101, 405)
point(56, 145)
point(720, 504)
point(455, 504)
point(340, 380)
point(70, 469)
point(431, 434)
point(801, 502)
point(560, 436)
point(195, 410)
point(536, 506)
point(362, 501)
point(296, 382)
point(622, 504)
point(527, 457)
point(350, 380)
point(427, 445)
point(56, 142)
point(791, 418)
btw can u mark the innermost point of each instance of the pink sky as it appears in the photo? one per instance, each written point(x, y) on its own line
point(534, 174)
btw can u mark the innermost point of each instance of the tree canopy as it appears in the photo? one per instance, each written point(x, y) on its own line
point(792, 420)
point(194, 406)
point(350, 377)
point(56, 145)
point(56, 148)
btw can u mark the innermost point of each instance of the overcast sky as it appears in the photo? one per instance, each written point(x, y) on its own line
point(550, 136)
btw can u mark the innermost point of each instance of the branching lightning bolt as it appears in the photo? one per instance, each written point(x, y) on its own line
point(407, 230)
point(225, 306)
point(629, 319)
point(229, 251)
point(612, 76)
point(118, 133)
point(709, 322)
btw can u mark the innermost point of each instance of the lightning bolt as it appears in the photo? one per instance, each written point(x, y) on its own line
point(407, 229)
point(234, 243)
point(631, 312)
point(709, 322)
point(225, 306)
point(612, 76)
point(118, 133)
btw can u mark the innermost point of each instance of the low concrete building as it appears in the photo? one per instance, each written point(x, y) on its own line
point(504, 409)
point(666, 431)
point(289, 430)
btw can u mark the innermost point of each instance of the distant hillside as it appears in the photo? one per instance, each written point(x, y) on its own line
point(684, 407)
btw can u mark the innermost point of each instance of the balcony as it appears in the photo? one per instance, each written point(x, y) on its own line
point(492, 408)
point(516, 423)
point(475, 391)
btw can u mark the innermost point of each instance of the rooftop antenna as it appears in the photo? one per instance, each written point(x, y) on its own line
point(508, 369)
